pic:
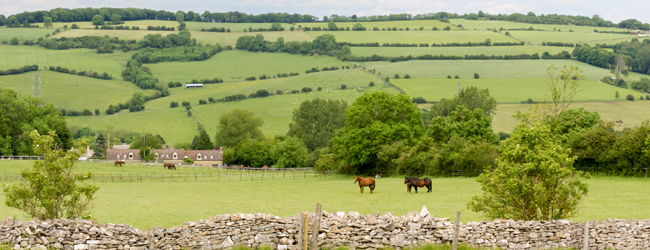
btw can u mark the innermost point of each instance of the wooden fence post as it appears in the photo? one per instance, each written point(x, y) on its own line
point(299, 237)
point(305, 221)
point(313, 244)
point(454, 245)
point(585, 245)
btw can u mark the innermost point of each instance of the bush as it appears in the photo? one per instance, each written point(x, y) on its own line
point(629, 97)
point(418, 100)
point(457, 77)
point(396, 76)
point(319, 88)
point(407, 76)
point(448, 76)
point(343, 86)
point(201, 102)
point(279, 92)
point(371, 84)
point(251, 78)
point(475, 75)
point(188, 160)
point(211, 99)
point(295, 91)
point(97, 112)
point(173, 104)
point(306, 89)
point(86, 112)
point(185, 104)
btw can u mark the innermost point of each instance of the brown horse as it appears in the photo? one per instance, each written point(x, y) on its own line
point(169, 166)
point(415, 183)
point(365, 182)
point(120, 163)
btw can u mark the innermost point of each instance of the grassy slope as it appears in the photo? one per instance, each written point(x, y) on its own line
point(146, 204)
point(231, 38)
point(496, 69)
point(413, 36)
point(234, 27)
point(537, 37)
point(73, 92)
point(411, 24)
point(6, 34)
point(122, 34)
point(77, 59)
point(505, 90)
point(236, 65)
point(456, 51)
point(476, 24)
point(190, 25)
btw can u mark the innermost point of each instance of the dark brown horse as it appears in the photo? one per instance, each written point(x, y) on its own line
point(365, 182)
point(415, 183)
point(120, 163)
point(169, 166)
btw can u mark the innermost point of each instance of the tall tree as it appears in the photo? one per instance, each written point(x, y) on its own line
point(332, 26)
point(470, 97)
point(98, 20)
point(237, 125)
point(100, 146)
point(150, 141)
point(290, 153)
point(373, 120)
point(316, 120)
point(473, 126)
point(47, 22)
point(204, 142)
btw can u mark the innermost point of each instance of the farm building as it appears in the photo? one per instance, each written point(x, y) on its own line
point(194, 85)
point(126, 155)
point(200, 157)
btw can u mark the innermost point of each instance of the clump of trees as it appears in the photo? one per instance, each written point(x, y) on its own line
point(174, 54)
point(92, 74)
point(20, 70)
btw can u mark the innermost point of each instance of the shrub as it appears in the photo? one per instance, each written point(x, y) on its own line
point(396, 76)
point(447, 28)
point(418, 100)
point(173, 104)
point(448, 76)
point(371, 84)
point(188, 160)
point(186, 104)
point(407, 76)
point(211, 99)
point(475, 75)
point(97, 112)
point(306, 89)
point(457, 77)
point(319, 88)
point(279, 92)
point(251, 78)
point(343, 86)
point(86, 112)
point(629, 97)
point(295, 91)
point(201, 102)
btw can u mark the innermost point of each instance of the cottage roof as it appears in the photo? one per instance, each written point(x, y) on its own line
point(205, 155)
point(123, 154)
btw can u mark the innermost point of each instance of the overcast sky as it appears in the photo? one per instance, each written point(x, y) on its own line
point(609, 10)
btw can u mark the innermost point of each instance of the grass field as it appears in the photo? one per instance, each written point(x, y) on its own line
point(121, 34)
point(414, 36)
point(480, 24)
point(411, 24)
point(73, 92)
point(78, 59)
point(456, 51)
point(225, 39)
point(506, 90)
point(147, 204)
point(234, 27)
point(537, 37)
point(236, 65)
point(496, 69)
point(6, 34)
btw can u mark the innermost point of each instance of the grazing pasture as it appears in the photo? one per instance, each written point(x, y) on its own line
point(456, 51)
point(6, 34)
point(73, 92)
point(146, 204)
point(537, 37)
point(505, 90)
point(483, 24)
point(410, 37)
point(226, 39)
point(427, 25)
point(78, 59)
point(236, 65)
point(234, 27)
point(121, 34)
point(495, 69)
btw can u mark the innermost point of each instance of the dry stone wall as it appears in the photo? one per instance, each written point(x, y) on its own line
point(349, 229)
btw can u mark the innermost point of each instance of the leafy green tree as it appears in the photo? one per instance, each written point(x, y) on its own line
point(145, 154)
point(473, 126)
point(100, 146)
point(316, 120)
point(576, 120)
point(290, 153)
point(563, 86)
point(534, 179)
point(116, 19)
point(14, 41)
point(459, 155)
point(204, 142)
point(237, 125)
point(332, 26)
point(149, 141)
point(195, 141)
point(98, 20)
point(252, 153)
point(617, 95)
point(470, 97)
point(180, 17)
point(276, 26)
point(51, 189)
point(13, 22)
point(373, 120)
point(47, 22)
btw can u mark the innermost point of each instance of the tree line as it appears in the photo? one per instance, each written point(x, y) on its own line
point(175, 54)
point(374, 58)
point(104, 76)
point(20, 70)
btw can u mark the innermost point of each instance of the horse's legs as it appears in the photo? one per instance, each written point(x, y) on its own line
point(372, 188)
point(416, 188)
point(361, 187)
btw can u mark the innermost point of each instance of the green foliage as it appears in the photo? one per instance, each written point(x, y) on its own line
point(100, 146)
point(290, 153)
point(251, 153)
point(150, 141)
point(460, 156)
point(174, 54)
point(136, 74)
point(629, 97)
point(470, 97)
point(50, 189)
point(473, 126)
point(98, 20)
point(204, 142)
point(373, 120)
point(116, 19)
point(534, 178)
point(19, 116)
point(332, 26)
point(145, 154)
point(47, 22)
point(14, 41)
point(642, 85)
point(236, 126)
point(576, 120)
point(188, 160)
point(316, 121)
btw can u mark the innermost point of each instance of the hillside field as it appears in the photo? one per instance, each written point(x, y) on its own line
point(236, 65)
point(537, 37)
point(506, 90)
point(411, 24)
point(410, 37)
point(121, 34)
point(483, 24)
point(147, 204)
point(456, 51)
point(225, 39)
point(6, 34)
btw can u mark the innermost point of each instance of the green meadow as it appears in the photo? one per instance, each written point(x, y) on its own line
point(537, 37)
point(494, 69)
point(78, 59)
point(226, 39)
point(236, 65)
point(485, 24)
point(506, 90)
point(234, 27)
point(459, 36)
point(6, 34)
point(411, 24)
point(456, 51)
point(73, 92)
point(121, 34)
point(146, 204)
